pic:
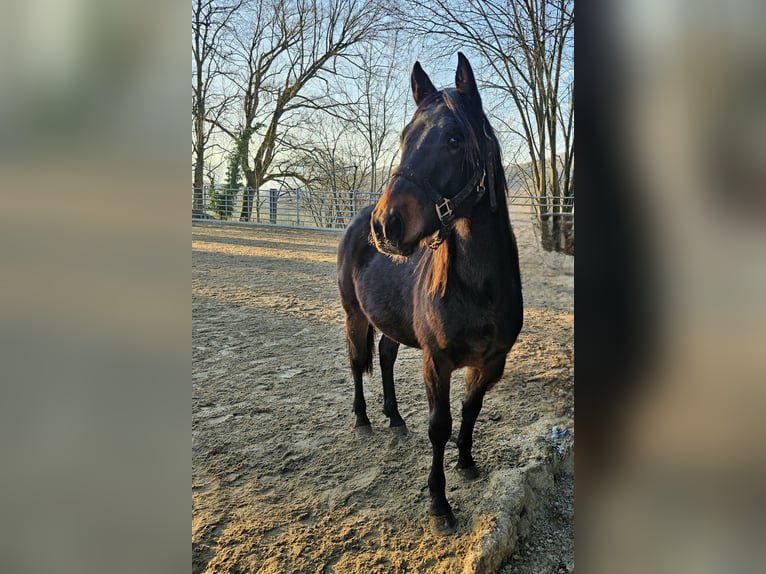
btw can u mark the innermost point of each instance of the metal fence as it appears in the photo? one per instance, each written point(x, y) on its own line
point(524, 202)
point(323, 209)
point(286, 207)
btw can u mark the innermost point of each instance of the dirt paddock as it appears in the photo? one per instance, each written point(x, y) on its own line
point(280, 480)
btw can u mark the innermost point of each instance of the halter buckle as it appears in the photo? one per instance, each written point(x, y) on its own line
point(436, 240)
point(444, 211)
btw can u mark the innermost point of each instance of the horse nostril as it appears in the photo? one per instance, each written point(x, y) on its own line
point(377, 230)
point(393, 228)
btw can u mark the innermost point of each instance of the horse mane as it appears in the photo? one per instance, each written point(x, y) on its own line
point(433, 267)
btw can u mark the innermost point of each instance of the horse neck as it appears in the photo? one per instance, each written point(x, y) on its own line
point(490, 231)
point(483, 242)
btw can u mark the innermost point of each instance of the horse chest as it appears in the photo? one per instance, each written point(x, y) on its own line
point(467, 330)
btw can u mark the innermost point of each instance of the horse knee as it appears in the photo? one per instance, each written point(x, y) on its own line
point(439, 428)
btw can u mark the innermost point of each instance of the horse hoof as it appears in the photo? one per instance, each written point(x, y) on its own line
point(442, 525)
point(469, 473)
point(363, 430)
point(400, 430)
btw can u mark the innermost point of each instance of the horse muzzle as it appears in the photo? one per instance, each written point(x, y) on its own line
point(388, 234)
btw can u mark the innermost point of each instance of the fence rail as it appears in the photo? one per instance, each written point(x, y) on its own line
point(321, 209)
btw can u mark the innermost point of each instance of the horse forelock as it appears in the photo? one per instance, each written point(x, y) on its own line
point(472, 148)
point(483, 132)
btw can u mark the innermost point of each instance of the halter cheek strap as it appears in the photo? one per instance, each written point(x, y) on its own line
point(448, 209)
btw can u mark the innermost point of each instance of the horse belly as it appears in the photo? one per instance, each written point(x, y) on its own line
point(390, 317)
point(384, 294)
point(395, 330)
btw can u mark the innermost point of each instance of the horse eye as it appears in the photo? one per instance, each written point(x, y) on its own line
point(453, 141)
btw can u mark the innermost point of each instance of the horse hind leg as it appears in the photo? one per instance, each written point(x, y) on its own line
point(477, 381)
point(388, 349)
point(360, 339)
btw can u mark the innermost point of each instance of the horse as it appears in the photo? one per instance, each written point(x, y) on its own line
point(434, 266)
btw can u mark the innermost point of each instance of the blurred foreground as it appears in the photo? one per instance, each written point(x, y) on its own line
point(670, 474)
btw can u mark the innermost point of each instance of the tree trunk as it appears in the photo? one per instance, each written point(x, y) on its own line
point(547, 239)
point(568, 228)
point(247, 196)
point(198, 208)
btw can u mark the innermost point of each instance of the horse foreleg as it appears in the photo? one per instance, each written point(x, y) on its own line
point(437, 380)
point(477, 381)
point(474, 397)
point(360, 339)
point(388, 350)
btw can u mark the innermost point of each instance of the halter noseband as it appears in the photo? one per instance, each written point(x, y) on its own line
point(447, 209)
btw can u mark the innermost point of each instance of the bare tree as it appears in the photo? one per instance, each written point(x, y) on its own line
point(527, 47)
point(209, 21)
point(283, 52)
point(376, 95)
point(352, 144)
point(334, 166)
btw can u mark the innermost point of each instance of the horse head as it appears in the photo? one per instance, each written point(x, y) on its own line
point(442, 166)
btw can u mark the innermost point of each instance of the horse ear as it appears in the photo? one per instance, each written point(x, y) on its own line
point(465, 82)
point(421, 84)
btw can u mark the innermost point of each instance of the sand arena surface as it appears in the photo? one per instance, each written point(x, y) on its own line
point(281, 482)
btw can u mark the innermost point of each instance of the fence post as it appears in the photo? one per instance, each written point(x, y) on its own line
point(273, 198)
point(297, 206)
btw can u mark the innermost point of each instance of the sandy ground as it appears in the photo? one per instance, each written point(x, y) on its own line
point(282, 483)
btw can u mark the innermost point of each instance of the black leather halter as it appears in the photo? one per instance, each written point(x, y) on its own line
point(462, 203)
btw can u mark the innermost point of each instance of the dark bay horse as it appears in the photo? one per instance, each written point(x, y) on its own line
point(434, 265)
